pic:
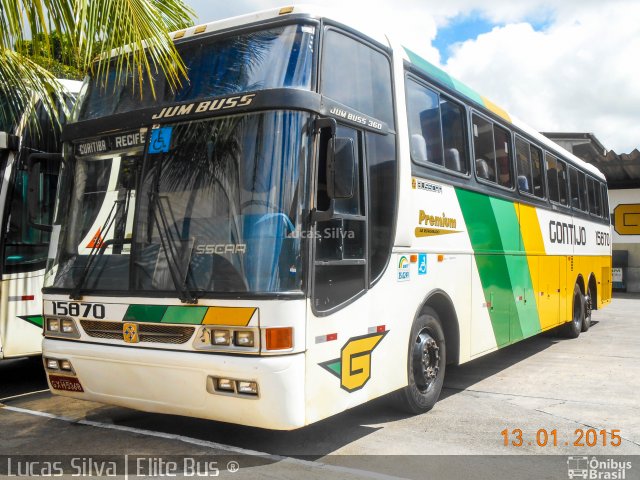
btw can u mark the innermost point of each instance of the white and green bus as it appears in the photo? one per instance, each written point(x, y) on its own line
point(23, 245)
point(317, 218)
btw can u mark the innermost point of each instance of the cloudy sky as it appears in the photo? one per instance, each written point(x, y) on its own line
point(558, 65)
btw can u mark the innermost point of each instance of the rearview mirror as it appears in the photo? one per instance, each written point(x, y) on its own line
point(35, 164)
point(341, 171)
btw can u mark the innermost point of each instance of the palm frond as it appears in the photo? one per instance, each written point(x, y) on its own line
point(136, 30)
point(21, 81)
point(90, 28)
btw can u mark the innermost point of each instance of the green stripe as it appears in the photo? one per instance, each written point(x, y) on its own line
point(494, 230)
point(36, 320)
point(430, 69)
point(443, 77)
point(188, 315)
point(145, 313)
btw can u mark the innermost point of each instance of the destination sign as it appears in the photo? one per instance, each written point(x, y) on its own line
point(112, 142)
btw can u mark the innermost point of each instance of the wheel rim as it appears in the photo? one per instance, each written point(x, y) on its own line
point(426, 361)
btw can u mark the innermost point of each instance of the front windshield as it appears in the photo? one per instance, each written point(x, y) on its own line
point(217, 205)
point(278, 57)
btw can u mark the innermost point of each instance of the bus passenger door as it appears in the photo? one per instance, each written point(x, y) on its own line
point(340, 263)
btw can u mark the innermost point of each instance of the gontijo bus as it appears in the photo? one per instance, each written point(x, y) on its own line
point(23, 246)
point(315, 219)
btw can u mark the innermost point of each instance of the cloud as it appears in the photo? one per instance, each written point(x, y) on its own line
point(580, 74)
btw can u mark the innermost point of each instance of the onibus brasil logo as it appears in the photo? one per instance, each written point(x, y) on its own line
point(594, 468)
point(353, 368)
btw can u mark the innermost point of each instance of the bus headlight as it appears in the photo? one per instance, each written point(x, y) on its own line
point(61, 328)
point(52, 364)
point(221, 337)
point(68, 326)
point(53, 324)
point(244, 339)
point(225, 385)
point(247, 388)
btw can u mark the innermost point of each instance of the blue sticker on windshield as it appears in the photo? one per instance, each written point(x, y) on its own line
point(160, 140)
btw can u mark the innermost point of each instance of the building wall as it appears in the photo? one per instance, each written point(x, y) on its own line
point(625, 209)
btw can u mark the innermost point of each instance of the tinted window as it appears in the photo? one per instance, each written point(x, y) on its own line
point(605, 201)
point(536, 172)
point(492, 156)
point(425, 129)
point(483, 149)
point(578, 190)
point(436, 128)
point(357, 76)
point(529, 162)
point(593, 188)
point(453, 133)
point(381, 157)
point(523, 161)
point(557, 179)
point(273, 58)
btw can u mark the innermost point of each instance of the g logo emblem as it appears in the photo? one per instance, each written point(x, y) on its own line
point(353, 368)
point(130, 333)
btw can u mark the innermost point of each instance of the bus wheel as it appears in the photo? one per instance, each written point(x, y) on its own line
point(573, 328)
point(427, 358)
point(588, 307)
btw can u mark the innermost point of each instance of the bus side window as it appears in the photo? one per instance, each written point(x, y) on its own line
point(605, 201)
point(483, 149)
point(524, 165)
point(584, 206)
point(552, 178)
point(536, 172)
point(594, 197)
point(502, 139)
point(562, 182)
point(453, 135)
point(423, 110)
point(436, 128)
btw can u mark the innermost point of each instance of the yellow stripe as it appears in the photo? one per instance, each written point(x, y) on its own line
point(545, 290)
point(496, 109)
point(235, 316)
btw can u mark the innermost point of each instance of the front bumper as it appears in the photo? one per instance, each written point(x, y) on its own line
point(175, 383)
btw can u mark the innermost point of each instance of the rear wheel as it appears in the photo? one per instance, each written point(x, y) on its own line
point(588, 307)
point(427, 358)
point(574, 327)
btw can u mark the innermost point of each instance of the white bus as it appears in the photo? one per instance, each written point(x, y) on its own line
point(24, 248)
point(317, 218)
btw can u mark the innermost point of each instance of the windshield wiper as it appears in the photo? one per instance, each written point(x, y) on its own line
point(96, 250)
point(170, 250)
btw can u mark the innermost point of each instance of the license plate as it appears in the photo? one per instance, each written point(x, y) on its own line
point(70, 384)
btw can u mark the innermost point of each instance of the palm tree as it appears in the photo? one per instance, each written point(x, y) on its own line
point(91, 30)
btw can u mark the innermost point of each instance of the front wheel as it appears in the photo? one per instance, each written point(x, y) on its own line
point(426, 361)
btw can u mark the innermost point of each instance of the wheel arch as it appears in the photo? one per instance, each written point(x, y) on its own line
point(442, 304)
point(593, 286)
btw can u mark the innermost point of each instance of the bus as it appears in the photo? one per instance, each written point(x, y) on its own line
point(24, 246)
point(317, 218)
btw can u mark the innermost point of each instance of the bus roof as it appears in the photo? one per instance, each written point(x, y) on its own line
point(434, 72)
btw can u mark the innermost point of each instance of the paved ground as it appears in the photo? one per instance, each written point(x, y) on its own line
point(592, 382)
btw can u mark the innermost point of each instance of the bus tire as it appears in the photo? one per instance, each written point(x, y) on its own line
point(588, 307)
point(426, 361)
point(573, 328)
